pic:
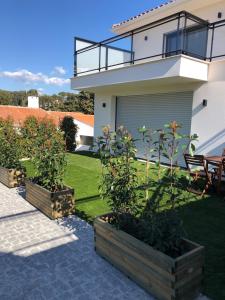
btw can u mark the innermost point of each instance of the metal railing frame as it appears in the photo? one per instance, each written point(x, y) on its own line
point(175, 17)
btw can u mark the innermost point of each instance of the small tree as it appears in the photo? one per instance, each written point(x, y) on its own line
point(119, 178)
point(70, 129)
point(49, 156)
point(160, 227)
point(9, 145)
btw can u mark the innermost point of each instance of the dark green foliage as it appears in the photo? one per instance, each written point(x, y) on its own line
point(49, 156)
point(70, 129)
point(16, 97)
point(9, 145)
point(67, 102)
point(29, 132)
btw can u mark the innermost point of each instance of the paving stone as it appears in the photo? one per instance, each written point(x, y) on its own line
point(45, 259)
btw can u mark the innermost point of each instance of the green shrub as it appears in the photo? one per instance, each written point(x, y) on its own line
point(163, 228)
point(160, 227)
point(119, 178)
point(49, 156)
point(69, 128)
point(9, 145)
point(29, 134)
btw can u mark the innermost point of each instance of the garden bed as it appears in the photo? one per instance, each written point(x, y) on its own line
point(163, 276)
point(12, 177)
point(53, 204)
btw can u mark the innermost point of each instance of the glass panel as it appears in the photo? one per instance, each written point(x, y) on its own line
point(173, 43)
point(119, 53)
point(193, 41)
point(87, 60)
point(196, 41)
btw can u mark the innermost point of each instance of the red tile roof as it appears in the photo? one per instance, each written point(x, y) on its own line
point(19, 115)
point(87, 119)
point(144, 13)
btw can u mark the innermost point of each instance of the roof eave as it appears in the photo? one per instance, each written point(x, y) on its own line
point(124, 25)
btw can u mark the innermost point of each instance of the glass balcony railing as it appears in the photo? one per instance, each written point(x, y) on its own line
point(181, 33)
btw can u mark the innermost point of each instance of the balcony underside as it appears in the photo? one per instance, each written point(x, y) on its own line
point(165, 71)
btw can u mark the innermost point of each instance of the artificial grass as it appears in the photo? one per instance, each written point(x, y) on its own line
point(204, 219)
point(83, 174)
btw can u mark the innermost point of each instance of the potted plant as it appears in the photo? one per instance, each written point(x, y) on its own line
point(12, 174)
point(46, 191)
point(147, 241)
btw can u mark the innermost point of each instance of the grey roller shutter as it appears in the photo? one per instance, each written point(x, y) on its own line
point(154, 111)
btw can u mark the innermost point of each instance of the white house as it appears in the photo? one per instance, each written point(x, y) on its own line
point(165, 64)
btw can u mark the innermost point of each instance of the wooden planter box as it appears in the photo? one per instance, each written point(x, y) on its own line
point(54, 205)
point(12, 177)
point(162, 276)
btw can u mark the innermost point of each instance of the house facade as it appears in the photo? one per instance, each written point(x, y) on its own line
point(165, 64)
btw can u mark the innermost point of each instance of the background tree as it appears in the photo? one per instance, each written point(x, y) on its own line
point(70, 129)
point(63, 101)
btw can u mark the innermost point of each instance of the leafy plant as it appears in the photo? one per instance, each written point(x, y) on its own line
point(119, 176)
point(9, 145)
point(29, 131)
point(70, 129)
point(49, 156)
point(164, 227)
point(158, 226)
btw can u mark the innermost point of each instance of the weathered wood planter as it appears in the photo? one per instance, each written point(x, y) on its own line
point(53, 204)
point(162, 276)
point(12, 177)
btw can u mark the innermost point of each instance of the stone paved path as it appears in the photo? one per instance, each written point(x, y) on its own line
point(44, 259)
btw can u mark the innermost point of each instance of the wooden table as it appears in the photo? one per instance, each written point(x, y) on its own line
point(216, 161)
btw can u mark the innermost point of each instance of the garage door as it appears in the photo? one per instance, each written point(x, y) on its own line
point(154, 111)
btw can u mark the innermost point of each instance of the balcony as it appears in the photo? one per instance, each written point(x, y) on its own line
point(176, 48)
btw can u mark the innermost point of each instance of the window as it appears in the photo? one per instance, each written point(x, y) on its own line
point(192, 41)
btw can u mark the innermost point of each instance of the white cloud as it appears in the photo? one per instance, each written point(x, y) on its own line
point(40, 91)
point(58, 70)
point(29, 77)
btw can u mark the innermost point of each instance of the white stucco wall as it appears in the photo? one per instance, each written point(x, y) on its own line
point(104, 116)
point(83, 129)
point(209, 122)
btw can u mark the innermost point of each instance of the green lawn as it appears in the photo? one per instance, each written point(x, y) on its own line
point(83, 174)
point(204, 219)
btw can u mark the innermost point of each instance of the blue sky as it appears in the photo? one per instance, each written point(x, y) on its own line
point(37, 37)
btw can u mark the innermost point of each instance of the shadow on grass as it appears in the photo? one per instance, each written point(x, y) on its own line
point(85, 153)
point(204, 221)
point(88, 199)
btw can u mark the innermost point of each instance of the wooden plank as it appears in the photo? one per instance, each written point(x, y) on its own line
point(138, 264)
point(137, 275)
point(164, 261)
point(138, 255)
point(165, 278)
point(42, 199)
point(11, 177)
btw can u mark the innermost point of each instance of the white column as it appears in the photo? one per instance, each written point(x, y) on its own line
point(105, 112)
